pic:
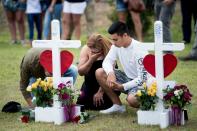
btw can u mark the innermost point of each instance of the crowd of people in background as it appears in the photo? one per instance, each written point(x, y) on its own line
point(40, 13)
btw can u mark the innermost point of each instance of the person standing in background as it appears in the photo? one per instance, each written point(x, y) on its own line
point(72, 11)
point(192, 56)
point(33, 12)
point(53, 12)
point(16, 18)
point(164, 10)
point(188, 10)
point(122, 8)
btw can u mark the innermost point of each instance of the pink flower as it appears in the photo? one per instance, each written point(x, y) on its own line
point(65, 96)
point(187, 96)
point(179, 96)
point(169, 96)
point(61, 85)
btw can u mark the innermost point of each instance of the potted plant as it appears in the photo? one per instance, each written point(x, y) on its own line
point(177, 99)
point(147, 102)
point(41, 91)
point(67, 95)
point(147, 97)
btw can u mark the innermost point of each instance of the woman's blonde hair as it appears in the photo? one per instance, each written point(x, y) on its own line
point(100, 39)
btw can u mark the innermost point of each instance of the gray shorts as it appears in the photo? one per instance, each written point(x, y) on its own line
point(122, 78)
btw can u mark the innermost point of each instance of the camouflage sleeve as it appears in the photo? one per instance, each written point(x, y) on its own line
point(24, 79)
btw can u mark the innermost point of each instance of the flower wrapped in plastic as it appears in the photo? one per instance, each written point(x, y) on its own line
point(67, 94)
point(178, 96)
point(177, 99)
point(42, 92)
point(147, 96)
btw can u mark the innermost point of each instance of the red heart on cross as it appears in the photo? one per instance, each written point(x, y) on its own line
point(46, 60)
point(169, 64)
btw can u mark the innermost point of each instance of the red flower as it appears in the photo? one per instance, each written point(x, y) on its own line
point(25, 119)
point(61, 86)
point(76, 119)
point(179, 95)
point(65, 96)
point(169, 96)
point(187, 96)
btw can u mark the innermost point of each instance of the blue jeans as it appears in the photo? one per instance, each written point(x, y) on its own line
point(49, 16)
point(71, 72)
point(37, 19)
point(164, 13)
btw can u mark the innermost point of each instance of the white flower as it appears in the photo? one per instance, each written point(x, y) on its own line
point(29, 88)
point(176, 92)
point(180, 91)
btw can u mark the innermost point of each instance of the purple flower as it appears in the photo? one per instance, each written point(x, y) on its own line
point(178, 87)
point(187, 96)
point(65, 96)
point(168, 96)
point(61, 85)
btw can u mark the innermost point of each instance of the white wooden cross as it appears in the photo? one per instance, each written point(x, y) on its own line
point(159, 47)
point(159, 116)
point(56, 44)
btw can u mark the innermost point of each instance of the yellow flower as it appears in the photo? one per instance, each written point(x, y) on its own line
point(154, 84)
point(29, 88)
point(149, 91)
point(49, 82)
point(45, 88)
point(34, 85)
point(152, 94)
point(42, 84)
point(50, 85)
point(144, 85)
point(38, 80)
point(139, 93)
point(49, 79)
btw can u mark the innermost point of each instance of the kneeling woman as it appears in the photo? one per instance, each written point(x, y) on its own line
point(91, 58)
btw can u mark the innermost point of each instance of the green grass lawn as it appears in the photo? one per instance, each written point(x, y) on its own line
point(10, 58)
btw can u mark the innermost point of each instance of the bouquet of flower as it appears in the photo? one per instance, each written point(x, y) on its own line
point(178, 96)
point(42, 92)
point(147, 96)
point(66, 93)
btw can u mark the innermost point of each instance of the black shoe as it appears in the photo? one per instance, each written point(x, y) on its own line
point(186, 42)
point(188, 58)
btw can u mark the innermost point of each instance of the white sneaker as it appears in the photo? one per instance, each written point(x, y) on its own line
point(113, 109)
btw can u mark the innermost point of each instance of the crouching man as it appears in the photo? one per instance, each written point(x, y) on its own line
point(133, 74)
point(31, 69)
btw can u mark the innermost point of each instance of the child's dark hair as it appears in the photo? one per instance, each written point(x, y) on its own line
point(118, 27)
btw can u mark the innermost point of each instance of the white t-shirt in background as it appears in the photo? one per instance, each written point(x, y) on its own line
point(33, 6)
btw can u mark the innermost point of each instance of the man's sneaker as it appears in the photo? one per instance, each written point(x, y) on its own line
point(114, 109)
